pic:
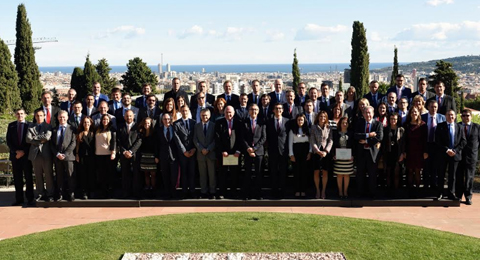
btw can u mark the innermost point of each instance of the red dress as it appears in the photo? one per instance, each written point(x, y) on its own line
point(415, 144)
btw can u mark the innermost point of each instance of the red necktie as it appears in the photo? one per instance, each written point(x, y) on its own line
point(366, 146)
point(466, 131)
point(290, 109)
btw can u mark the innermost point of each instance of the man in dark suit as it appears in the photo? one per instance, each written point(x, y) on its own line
point(422, 91)
point(374, 97)
point(50, 111)
point(368, 134)
point(127, 105)
point(68, 105)
point(76, 117)
point(254, 137)
point(22, 167)
point(184, 129)
point(309, 114)
point(151, 110)
point(290, 110)
point(278, 95)
point(89, 108)
point(38, 136)
point(141, 102)
point(228, 137)
point(62, 144)
point(277, 133)
point(200, 106)
point(400, 89)
point(255, 96)
point(432, 119)
point(204, 140)
point(313, 96)
point(116, 101)
point(176, 92)
point(301, 95)
point(346, 109)
point(166, 154)
point(242, 111)
point(265, 111)
point(468, 165)
point(129, 142)
point(103, 110)
point(202, 88)
point(450, 139)
point(392, 102)
point(445, 102)
point(325, 100)
point(232, 99)
point(98, 97)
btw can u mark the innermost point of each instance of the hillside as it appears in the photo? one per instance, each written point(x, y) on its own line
point(464, 64)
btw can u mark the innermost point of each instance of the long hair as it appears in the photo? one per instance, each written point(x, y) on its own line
point(354, 93)
point(336, 106)
point(305, 128)
point(409, 117)
point(317, 118)
point(365, 101)
point(142, 128)
point(178, 106)
point(81, 128)
point(215, 105)
point(173, 112)
point(104, 128)
point(420, 98)
point(340, 122)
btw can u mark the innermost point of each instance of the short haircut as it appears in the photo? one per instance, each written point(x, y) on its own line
point(20, 109)
point(312, 88)
point(373, 82)
point(116, 90)
point(439, 82)
point(61, 112)
point(39, 110)
point(152, 95)
point(201, 82)
point(227, 81)
point(265, 96)
point(422, 79)
point(468, 111)
point(173, 80)
point(448, 110)
point(146, 85)
point(324, 84)
point(255, 80)
point(77, 102)
point(243, 95)
point(277, 104)
point(95, 83)
point(301, 83)
point(289, 91)
point(126, 94)
point(338, 92)
point(399, 76)
point(204, 110)
point(370, 108)
point(89, 95)
point(47, 92)
point(432, 101)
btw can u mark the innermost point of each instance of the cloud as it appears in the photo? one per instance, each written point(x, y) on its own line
point(466, 30)
point(273, 36)
point(228, 34)
point(318, 32)
point(439, 2)
point(194, 30)
point(374, 37)
point(127, 31)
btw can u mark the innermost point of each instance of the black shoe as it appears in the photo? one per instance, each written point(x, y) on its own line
point(31, 203)
point(468, 202)
point(39, 197)
point(84, 196)
point(453, 197)
point(71, 197)
point(211, 197)
point(17, 203)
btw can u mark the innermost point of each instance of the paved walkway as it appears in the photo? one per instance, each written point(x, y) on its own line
point(18, 221)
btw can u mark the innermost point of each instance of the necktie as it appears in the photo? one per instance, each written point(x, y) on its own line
point(290, 109)
point(228, 98)
point(466, 131)
point(168, 134)
point(265, 112)
point(144, 101)
point(60, 138)
point(278, 125)
point(115, 107)
point(278, 97)
point(450, 127)
point(309, 120)
point(48, 116)
point(439, 101)
point(230, 127)
point(367, 130)
point(186, 125)
point(128, 129)
point(205, 130)
point(150, 112)
point(253, 126)
point(19, 132)
point(375, 100)
point(431, 133)
point(399, 93)
point(254, 98)
point(77, 118)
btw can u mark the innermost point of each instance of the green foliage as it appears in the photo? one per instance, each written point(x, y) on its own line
point(55, 97)
point(465, 64)
point(90, 75)
point(395, 67)
point(27, 69)
point(383, 87)
point(462, 101)
point(360, 61)
point(9, 92)
point(444, 72)
point(103, 69)
point(340, 85)
point(295, 72)
point(137, 73)
point(78, 83)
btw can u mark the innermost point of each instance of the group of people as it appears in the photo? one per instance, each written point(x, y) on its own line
point(75, 149)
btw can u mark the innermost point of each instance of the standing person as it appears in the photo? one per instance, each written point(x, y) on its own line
point(166, 155)
point(325, 100)
point(129, 142)
point(351, 98)
point(218, 109)
point(103, 110)
point(68, 104)
point(393, 144)
point(202, 88)
point(346, 110)
point(176, 92)
point(382, 115)
point(201, 104)
point(169, 108)
point(336, 115)
point(403, 111)
point(126, 106)
point(299, 151)
point(151, 111)
point(278, 95)
point(308, 112)
point(374, 97)
point(184, 129)
point(399, 89)
point(232, 99)
point(343, 139)
point(50, 111)
point(290, 110)
point(359, 115)
point(147, 153)
point(301, 95)
point(89, 109)
point(22, 167)
point(63, 143)
point(321, 142)
point(277, 129)
point(467, 167)
point(254, 97)
point(242, 111)
point(228, 136)
point(419, 103)
point(392, 102)
point(141, 102)
point(116, 101)
point(85, 157)
point(422, 90)
point(38, 136)
point(181, 103)
point(444, 101)
point(98, 97)
point(450, 139)
point(204, 140)
point(254, 137)
point(368, 135)
point(105, 153)
point(76, 117)
point(313, 96)
point(265, 110)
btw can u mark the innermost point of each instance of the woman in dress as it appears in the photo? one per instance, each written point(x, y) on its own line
point(393, 147)
point(415, 147)
point(321, 142)
point(218, 108)
point(147, 150)
point(337, 114)
point(343, 138)
point(299, 151)
point(382, 114)
point(169, 107)
point(105, 144)
point(419, 103)
point(85, 157)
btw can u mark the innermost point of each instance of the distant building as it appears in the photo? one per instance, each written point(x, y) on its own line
point(168, 67)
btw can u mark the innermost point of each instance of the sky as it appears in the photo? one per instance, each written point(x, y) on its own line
point(245, 32)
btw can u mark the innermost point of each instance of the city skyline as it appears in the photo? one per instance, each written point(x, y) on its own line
point(247, 32)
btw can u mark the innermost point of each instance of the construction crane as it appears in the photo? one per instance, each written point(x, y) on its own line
point(35, 40)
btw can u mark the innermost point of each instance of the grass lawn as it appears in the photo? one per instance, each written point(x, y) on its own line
point(242, 232)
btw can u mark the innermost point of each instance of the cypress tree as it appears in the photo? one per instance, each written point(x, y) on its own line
point(27, 69)
point(90, 75)
point(340, 84)
point(445, 73)
point(78, 83)
point(137, 73)
point(359, 74)
point(295, 72)
point(395, 67)
point(9, 92)
point(103, 70)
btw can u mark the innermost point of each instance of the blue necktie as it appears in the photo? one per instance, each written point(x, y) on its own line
point(450, 126)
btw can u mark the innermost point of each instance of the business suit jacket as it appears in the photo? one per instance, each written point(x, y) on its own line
point(448, 102)
point(225, 142)
point(406, 92)
point(101, 97)
point(175, 95)
point(68, 144)
point(38, 137)
point(442, 140)
point(64, 106)
point(12, 140)
point(298, 100)
point(184, 137)
point(194, 111)
point(426, 96)
point(128, 141)
point(346, 110)
point(274, 100)
point(254, 139)
point(210, 100)
point(264, 117)
point(241, 114)
point(360, 134)
point(92, 113)
point(111, 108)
point(312, 119)
point(470, 150)
point(71, 121)
point(324, 105)
point(250, 99)
point(277, 140)
point(369, 96)
point(54, 116)
point(439, 117)
point(140, 102)
point(165, 150)
point(98, 117)
point(143, 113)
point(120, 116)
point(296, 110)
point(203, 141)
point(234, 100)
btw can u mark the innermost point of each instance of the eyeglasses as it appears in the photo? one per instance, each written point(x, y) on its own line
point(465, 115)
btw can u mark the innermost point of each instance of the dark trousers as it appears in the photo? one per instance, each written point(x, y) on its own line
point(187, 172)
point(22, 168)
point(169, 176)
point(130, 176)
point(430, 172)
point(227, 176)
point(447, 162)
point(250, 189)
point(301, 166)
point(277, 165)
point(66, 179)
point(86, 174)
point(365, 164)
point(105, 169)
point(464, 179)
